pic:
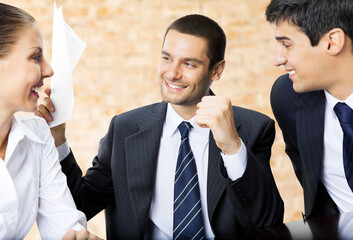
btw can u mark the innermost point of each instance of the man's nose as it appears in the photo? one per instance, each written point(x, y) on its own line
point(279, 58)
point(174, 71)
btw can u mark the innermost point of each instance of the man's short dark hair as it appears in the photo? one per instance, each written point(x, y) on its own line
point(314, 17)
point(206, 28)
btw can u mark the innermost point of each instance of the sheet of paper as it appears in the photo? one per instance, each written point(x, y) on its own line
point(66, 52)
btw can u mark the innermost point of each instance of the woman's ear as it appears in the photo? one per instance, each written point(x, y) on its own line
point(217, 70)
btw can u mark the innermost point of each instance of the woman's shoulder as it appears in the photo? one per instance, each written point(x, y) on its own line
point(33, 126)
point(31, 120)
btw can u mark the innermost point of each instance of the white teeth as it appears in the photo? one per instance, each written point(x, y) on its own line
point(175, 87)
point(292, 72)
point(36, 89)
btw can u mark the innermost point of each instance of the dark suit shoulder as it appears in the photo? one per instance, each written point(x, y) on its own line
point(247, 116)
point(130, 122)
point(150, 112)
point(282, 91)
point(284, 96)
point(251, 125)
point(285, 102)
point(250, 113)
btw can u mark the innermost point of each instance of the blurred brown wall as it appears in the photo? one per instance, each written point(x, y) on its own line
point(118, 70)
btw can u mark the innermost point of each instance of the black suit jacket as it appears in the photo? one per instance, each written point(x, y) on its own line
point(121, 179)
point(301, 119)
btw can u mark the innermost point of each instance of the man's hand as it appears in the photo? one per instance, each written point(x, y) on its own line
point(44, 111)
point(81, 235)
point(215, 112)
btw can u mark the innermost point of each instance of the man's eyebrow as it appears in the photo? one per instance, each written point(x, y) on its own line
point(165, 53)
point(195, 60)
point(281, 38)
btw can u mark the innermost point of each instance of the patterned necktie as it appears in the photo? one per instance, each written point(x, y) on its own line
point(187, 222)
point(345, 116)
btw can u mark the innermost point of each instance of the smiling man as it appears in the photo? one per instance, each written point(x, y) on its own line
point(313, 102)
point(189, 167)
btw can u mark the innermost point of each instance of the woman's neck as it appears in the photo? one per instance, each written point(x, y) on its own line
point(5, 126)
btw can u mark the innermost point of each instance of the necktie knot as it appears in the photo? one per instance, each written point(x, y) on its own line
point(184, 128)
point(344, 113)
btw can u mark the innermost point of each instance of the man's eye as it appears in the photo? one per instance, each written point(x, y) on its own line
point(190, 65)
point(285, 45)
point(165, 58)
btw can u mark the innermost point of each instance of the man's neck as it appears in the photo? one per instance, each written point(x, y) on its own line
point(343, 86)
point(186, 112)
point(341, 74)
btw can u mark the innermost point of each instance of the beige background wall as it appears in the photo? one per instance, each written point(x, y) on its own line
point(118, 70)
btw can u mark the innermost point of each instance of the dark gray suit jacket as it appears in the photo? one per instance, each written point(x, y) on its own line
point(121, 179)
point(301, 119)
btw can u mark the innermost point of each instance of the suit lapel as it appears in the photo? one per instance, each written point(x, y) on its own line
point(141, 159)
point(215, 180)
point(310, 133)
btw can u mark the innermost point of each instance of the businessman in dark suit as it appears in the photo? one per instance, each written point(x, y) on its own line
point(314, 45)
point(132, 176)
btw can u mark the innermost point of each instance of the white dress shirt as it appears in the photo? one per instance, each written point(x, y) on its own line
point(333, 176)
point(161, 211)
point(345, 226)
point(32, 186)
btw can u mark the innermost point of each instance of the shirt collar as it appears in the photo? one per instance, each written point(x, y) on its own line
point(19, 130)
point(173, 120)
point(332, 101)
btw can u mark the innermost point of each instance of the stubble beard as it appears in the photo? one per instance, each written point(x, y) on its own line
point(189, 100)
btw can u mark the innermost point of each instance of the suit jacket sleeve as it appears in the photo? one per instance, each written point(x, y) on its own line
point(255, 193)
point(93, 192)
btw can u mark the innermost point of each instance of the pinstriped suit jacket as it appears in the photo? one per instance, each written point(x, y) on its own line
point(301, 119)
point(121, 179)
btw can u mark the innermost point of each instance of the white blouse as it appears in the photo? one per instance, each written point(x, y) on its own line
point(32, 186)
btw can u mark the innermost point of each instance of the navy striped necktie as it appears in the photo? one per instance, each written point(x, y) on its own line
point(187, 222)
point(345, 116)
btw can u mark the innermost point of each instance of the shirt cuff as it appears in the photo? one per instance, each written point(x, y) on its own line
point(63, 151)
point(78, 227)
point(236, 164)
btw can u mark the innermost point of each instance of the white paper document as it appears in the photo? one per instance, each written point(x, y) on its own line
point(67, 50)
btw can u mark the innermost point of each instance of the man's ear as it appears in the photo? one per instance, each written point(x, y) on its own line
point(217, 70)
point(335, 41)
